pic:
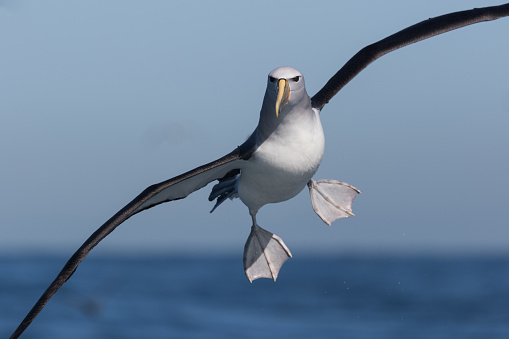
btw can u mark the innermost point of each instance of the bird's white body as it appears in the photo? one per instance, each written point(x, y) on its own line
point(284, 163)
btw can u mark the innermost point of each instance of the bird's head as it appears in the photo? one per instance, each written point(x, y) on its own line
point(285, 85)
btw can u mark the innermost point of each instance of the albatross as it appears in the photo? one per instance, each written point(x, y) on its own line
point(277, 161)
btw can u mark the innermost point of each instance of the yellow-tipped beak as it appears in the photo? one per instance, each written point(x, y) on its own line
point(283, 94)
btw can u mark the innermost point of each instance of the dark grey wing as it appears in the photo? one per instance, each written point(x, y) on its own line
point(423, 30)
point(172, 189)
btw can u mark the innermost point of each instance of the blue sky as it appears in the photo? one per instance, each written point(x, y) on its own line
point(99, 99)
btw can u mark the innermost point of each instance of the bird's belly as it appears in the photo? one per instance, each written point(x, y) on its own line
point(278, 171)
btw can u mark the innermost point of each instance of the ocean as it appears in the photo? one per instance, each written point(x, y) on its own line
point(209, 297)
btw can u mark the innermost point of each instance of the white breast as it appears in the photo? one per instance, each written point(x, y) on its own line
point(281, 167)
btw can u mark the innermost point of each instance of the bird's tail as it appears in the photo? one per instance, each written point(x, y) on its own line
point(227, 187)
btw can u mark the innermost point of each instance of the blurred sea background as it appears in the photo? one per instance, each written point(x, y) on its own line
point(209, 297)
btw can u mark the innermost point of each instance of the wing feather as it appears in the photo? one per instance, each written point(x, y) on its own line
point(185, 184)
point(420, 31)
point(175, 188)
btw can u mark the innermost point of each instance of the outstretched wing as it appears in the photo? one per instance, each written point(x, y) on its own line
point(421, 31)
point(172, 189)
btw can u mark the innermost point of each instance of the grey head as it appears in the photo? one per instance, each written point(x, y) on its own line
point(285, 89)
point(285, 97)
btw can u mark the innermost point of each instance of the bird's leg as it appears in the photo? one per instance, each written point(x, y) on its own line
point(264, 253)
point(332, 199)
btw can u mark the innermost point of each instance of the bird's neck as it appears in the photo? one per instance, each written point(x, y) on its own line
point(294, 112)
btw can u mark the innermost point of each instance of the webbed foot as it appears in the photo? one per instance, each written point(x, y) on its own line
point(332, 199)
point(264, 254)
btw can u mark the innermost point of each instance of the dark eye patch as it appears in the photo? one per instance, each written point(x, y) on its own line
point(296, 79)
point(272, 79)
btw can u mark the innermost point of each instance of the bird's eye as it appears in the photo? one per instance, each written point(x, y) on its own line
point(272, 79)
point(296, 79)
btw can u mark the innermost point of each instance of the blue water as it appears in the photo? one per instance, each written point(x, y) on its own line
point(175, 297)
